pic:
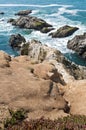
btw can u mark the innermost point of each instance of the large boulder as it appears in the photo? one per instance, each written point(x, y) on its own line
point(64, 31)
point(78, 44)
point(24, 12)
point(30, 22)
point(15, 41)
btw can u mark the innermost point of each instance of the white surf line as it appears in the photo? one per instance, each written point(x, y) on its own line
point(32, 5)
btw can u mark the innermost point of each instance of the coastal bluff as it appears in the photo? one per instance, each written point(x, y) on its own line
point(43, 82)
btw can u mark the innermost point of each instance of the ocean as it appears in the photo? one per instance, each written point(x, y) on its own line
point(56, 12)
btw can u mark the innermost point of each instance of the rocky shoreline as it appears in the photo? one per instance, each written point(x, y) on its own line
point(41, 80)
point(26, 21)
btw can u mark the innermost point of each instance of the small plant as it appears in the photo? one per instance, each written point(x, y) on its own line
point(16, 116)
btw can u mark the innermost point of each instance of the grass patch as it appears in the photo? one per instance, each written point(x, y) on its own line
point(16, 116)
point(67, 123)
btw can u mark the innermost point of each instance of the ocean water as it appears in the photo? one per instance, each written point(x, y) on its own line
point(55, 12)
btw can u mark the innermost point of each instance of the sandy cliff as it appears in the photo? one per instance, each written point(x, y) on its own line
point(40, 88)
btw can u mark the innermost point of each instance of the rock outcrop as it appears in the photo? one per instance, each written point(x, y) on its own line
point(24, 12)
point(39, 52)
point(64, 31)
point(78, 44)
point(30, 22)
point(15, 41)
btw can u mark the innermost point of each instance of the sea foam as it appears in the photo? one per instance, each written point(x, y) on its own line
point(26, 5)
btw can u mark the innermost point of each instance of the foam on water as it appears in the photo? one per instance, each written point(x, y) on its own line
point(32, 5)
point(35, 12)
point(5, 27)
point(63, 10)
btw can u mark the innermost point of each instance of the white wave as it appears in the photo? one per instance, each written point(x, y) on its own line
point(32, 5)
point(35, 12)
point(58, 22)
point(59, 43)
point(4, 26)
point(63, 10)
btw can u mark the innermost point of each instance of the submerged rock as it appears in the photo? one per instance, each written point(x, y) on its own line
point(24, 12)
point(16, 41)
point(30, 22)
point(11, 20)
point(64, 31)
point(78, 44)
point(2, 13)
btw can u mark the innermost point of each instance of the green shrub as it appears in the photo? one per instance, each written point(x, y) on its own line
point(16, 116)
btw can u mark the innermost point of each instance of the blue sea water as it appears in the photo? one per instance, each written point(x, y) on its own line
point(55, 12)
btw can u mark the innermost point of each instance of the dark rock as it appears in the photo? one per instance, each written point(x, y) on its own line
point(78, 44)
point(30, 22)
point(64, 31)
point(11, 20)
point(73, 69)
point(47, 29)
point(24, 12)
point(1, 13)
point(16, 41)
point(24, 49)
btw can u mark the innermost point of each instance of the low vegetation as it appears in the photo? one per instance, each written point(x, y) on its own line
point(17, 122)
point(16, 117)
